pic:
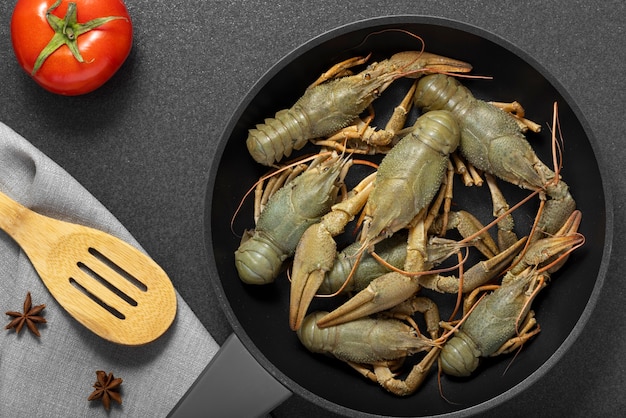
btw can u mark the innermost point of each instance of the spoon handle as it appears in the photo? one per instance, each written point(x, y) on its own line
point(35, 233)
point(234, 384)
point(10, 212)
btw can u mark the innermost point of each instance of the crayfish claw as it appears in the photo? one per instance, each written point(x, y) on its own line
point(314, 257)
point(381, 294)
point(316, 251)
point(550, 253)
point(420, 63)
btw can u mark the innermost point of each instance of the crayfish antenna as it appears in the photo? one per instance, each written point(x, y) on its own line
point(459, 296)
point(557, 144)
point(440, 384)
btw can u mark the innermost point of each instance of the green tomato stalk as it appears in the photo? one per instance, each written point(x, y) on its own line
point(66, 32)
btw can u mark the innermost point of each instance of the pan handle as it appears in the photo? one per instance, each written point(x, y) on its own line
point(233, 384)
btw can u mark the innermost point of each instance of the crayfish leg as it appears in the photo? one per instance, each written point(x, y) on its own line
point(414, 379)
point(529, 329)
point(364, 371)
point(469, 174)
point(506, 235)
point(391, 365)
point(423, 305)
point(516, 110)
point(397, 121)
point(471, 229)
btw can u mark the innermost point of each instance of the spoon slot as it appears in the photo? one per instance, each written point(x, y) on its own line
point(107, 284)
point(105, 287)
point(97, 300)
point(113, 277)
point(113, 266)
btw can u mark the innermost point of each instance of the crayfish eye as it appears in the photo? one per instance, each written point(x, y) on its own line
point(367, 76)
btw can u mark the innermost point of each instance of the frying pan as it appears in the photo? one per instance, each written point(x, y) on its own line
point(263, 360)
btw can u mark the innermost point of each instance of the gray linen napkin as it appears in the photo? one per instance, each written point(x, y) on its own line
point(52, 376)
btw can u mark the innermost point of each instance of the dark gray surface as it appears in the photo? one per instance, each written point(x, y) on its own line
point(143, 143)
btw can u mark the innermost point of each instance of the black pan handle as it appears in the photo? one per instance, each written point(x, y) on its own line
point(233, 384)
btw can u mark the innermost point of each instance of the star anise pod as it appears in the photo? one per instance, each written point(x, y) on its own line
point(106, 388)
point(30, 317)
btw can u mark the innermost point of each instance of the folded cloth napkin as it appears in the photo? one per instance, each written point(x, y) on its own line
point(52, 376)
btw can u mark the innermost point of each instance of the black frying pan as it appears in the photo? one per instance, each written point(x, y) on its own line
point(258, 315)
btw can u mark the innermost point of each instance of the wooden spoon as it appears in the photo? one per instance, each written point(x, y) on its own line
point(106, 284)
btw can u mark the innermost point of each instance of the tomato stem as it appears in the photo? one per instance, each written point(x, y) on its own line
point(66, 32)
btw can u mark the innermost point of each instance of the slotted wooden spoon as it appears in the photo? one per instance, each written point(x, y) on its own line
point(106, 284)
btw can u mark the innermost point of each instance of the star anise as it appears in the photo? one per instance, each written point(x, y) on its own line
point(30, 317)
point(106, 388)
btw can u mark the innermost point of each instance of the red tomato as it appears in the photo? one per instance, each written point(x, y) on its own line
point(103, 46)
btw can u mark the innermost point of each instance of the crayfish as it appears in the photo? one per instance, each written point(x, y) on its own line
point(326, 107)
point(404, 212)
